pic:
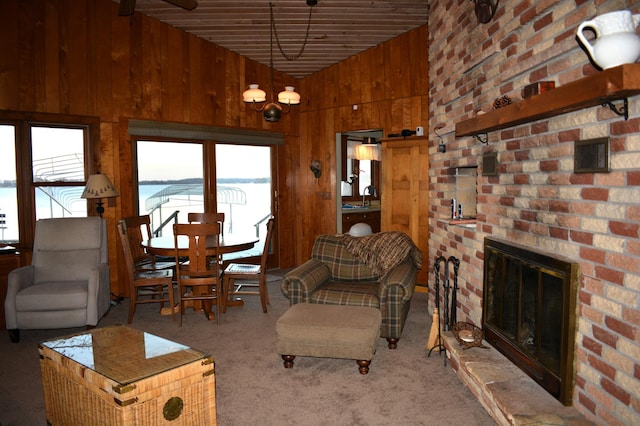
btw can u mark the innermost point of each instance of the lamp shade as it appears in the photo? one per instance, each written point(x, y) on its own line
point(289, 96)
point(368, 151)
point(254, 94)
point(99, 186)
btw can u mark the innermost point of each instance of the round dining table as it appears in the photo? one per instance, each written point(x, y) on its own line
point(165, 246)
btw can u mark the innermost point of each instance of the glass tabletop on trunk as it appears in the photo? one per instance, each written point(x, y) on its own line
point(124, 354)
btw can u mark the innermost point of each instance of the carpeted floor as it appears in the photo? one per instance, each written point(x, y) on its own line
point(403, 387)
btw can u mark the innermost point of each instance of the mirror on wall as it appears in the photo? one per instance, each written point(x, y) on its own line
point(358, 171)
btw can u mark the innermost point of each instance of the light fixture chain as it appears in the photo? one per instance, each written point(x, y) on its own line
point(275, 31)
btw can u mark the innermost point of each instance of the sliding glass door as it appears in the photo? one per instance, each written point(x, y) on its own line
point(175, 178)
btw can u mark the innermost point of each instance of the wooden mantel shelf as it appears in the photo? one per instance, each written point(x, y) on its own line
point(612, 84)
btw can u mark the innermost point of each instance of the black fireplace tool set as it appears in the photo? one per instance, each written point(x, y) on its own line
point(449, 315)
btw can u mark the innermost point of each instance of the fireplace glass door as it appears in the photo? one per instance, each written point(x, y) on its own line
point(529, 313)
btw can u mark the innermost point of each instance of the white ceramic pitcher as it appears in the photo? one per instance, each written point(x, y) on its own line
point(617, 42)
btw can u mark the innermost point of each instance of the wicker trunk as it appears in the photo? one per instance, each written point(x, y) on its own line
point(112, 376)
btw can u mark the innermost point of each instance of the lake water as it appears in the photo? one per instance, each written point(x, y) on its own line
point(239, 217)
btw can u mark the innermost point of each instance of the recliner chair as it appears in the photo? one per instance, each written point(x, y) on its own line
point(67, 283)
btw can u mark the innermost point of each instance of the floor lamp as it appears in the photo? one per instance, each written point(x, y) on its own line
point(99, 186)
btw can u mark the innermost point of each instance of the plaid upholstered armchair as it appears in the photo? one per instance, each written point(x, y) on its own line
point(377, 270)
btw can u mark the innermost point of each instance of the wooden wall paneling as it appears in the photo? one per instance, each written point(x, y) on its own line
point(172, 75)
point(75, 60)
point(287, 156)
point(51, 99)
point(248, 117)
point(103, 66)
point(207, 88)
point(330, 97)
point(185, 77)
point(136, 38)
point(355, 65)
point(364, 77)
point(121, 70)
point(231, 95)
point(311, 88)
point(196, 96)
point(417, 113)
point(346, 81)
point(418, 45)
point(223, 101)
point(108, 167)
point(377, 73)
point(124, 170)
point(27, 65)
point(398, 74)
point(9, 59)
point(151, 69)
point(315, 89)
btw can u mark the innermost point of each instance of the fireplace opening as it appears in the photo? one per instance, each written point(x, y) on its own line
point(529, 313)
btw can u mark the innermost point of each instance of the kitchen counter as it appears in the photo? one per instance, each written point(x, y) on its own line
point(360, 209)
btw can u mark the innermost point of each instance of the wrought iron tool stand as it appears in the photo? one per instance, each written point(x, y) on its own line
point(449, 320)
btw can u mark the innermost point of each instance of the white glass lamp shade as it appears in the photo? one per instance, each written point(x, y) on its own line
point(289, 96)
point(99, 186)
point(366, 151)
point(254, 94)
point(360, 230)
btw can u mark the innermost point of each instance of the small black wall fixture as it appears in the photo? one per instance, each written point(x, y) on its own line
point(441, 147)
point(316, 168)
point(482, 138)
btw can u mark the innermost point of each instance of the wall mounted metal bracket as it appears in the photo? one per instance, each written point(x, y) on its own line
point(622, 110)
point(482, 137)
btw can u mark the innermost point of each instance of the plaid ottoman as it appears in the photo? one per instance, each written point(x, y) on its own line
point(329, 331)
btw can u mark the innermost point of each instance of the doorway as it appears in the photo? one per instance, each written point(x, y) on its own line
point(355, 178)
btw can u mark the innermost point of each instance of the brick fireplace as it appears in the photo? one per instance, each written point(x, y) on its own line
point(535, 198)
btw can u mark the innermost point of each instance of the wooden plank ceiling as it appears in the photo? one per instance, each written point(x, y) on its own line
point(339, 28)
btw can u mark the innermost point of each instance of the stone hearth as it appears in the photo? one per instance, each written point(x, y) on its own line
point(508, 394)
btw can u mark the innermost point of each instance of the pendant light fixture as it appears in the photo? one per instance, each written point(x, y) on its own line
point(273, 110)
point(369, 149)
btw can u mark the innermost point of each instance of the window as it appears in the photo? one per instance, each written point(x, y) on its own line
point(8, 193)
point(238, 168)
point(170, 182)
point(43, 170)
point(58, 167)
point(173, 181)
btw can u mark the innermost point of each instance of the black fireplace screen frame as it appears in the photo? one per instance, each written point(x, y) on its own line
point(529, 312)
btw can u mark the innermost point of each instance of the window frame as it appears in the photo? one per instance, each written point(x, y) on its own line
point(158, 131)
point(25, 185)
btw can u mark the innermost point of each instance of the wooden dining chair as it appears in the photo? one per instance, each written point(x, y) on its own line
point(196, 217)
point(207, 218)
point(145, 286)
point(138, 230)
point(199, 274)
point(248, 271)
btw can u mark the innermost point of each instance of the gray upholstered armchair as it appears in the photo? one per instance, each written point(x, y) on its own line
point(67, 283)
point(377, 270)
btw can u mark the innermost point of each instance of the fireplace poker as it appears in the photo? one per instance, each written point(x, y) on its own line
point(454, 299)
point(438, 344)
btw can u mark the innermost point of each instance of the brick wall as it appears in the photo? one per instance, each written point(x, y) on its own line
point(536, 199)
